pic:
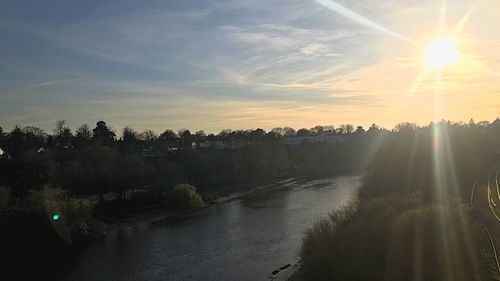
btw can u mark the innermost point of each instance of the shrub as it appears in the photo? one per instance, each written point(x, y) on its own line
point(73, 214)
point(5, 196)
point(184, 196)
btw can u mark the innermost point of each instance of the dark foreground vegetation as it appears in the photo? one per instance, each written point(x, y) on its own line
point(412, 220)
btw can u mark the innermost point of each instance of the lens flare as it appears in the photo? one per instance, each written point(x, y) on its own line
point(336, 7)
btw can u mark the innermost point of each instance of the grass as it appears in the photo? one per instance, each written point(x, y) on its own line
point(397, 239)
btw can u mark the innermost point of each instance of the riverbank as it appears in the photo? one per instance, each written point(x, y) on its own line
point(443, 239)
point(243, 238)
point(156, 212)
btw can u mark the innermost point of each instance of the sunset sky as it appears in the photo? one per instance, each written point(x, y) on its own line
point(241, 64)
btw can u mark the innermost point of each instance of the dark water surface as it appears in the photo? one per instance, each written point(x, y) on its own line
point(244, 239)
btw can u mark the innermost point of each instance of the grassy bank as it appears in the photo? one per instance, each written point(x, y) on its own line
point(397, 239)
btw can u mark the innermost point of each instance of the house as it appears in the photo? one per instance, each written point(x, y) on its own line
point(319, 138)
point(217, 144)
point(222, 144)
point(298, 140)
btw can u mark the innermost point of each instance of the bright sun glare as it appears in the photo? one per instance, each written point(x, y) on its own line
point(441, 51)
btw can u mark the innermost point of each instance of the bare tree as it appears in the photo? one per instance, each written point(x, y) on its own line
point(148, 136)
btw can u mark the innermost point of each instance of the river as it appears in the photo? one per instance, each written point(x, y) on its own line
point(243, 239)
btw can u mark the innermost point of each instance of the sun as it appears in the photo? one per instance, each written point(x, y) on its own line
point(440, 52)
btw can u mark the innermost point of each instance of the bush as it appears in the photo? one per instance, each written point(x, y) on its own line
point(5, 196)
point(184, 197)
point(394, 239)
point(73, 214)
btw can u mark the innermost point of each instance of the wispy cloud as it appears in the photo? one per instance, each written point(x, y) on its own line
point(56, 82)
point(261, 62)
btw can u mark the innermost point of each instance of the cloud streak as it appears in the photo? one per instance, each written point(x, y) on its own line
point(263, 62)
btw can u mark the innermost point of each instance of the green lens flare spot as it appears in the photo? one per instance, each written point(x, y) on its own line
point(56, 217)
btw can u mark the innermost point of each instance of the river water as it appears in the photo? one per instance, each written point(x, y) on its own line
point(243, 239)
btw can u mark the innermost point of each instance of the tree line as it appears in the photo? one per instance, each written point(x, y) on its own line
point(96, 161)
point(22, 139)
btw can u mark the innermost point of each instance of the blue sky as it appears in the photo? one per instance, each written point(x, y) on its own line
point(219, 64)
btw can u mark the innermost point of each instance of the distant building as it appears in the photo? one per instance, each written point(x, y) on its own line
point(217, 144)
point(222, 144)
point(298, 140)
point(319, 138)
point(235, 143)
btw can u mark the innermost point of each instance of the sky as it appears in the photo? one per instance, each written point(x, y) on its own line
point(242, 64)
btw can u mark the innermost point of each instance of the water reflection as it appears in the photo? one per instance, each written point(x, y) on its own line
point(244, 239)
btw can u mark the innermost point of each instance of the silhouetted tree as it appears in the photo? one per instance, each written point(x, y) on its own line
point(257, 134)
point(224, 133)
point(472, 123)
point(63, 137)
point(130, 136)
point(374, 127)
point(21, 140)
point(2, 137)
point(287, 131)
point(168, 137)
point(185, 138)
point(360, 130)
point(148, 136)
point(273, 135)
point(318, 129)
point(303, 132)
point(495, 123)
point(34, 134)
point(103, 134)
point(329, 129)
point(83, 135)
point(199, 136)
point(277, 130)
point(345, 129)
point(405, 127)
